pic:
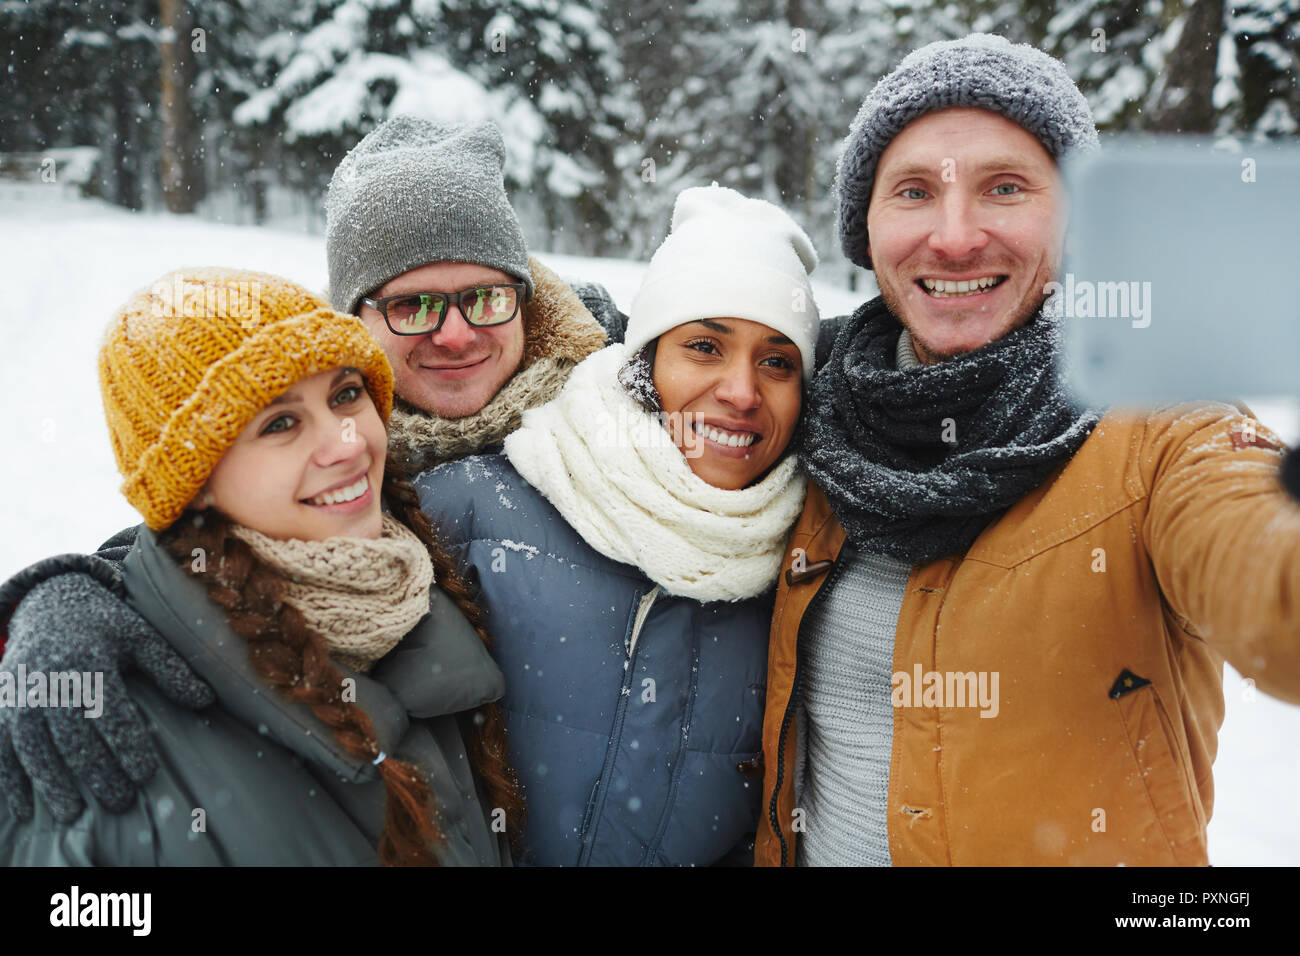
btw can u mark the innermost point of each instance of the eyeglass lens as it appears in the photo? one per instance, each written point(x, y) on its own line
point(484, 305)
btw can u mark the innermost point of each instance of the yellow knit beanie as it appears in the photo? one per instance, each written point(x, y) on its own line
point(189, 361)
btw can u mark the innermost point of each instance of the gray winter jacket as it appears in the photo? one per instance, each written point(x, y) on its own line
point(258, 779)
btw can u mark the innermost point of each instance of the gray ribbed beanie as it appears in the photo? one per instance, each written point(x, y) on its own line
point(1020, 82)
point(414, 192)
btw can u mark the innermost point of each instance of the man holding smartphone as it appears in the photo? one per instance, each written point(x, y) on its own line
point(1001, 630)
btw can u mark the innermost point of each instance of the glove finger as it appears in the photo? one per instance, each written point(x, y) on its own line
point(92, 762)
point(13, 780)
point(124, 730)
point(48, 773)
point(81, 740)
point(167, 670)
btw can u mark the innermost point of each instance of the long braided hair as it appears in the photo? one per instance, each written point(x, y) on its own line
point(295, 660)
point(487, 738)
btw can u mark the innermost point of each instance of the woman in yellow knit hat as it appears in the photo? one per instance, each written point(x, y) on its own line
point(352, 716)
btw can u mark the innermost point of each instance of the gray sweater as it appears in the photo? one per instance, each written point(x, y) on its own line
point(846, 721)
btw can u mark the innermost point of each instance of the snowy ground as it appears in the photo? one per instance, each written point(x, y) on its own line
point(67, 265)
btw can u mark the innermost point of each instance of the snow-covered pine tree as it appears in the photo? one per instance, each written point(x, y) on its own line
point(915, 23)
point(544, 70)
point(1114, 51)
point(74, 79)
point(755, 96)
point(1258, 87)
point(558, 59)
point(180, 172)
point(222, 45)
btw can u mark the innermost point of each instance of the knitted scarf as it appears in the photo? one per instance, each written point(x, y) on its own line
point(362, 595)
point(916, 462)
point(423, 441)
point(559, 333)
point(611, 470)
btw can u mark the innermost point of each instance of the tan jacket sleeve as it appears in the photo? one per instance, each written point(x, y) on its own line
point(1224, 537)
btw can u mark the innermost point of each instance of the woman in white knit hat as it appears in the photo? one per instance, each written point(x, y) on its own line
point(626, 543)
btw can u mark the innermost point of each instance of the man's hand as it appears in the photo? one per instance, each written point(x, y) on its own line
point(72, 622)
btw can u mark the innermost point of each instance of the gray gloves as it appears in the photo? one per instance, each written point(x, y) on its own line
point(74, 619)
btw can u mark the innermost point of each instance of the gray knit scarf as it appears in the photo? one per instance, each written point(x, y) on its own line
point(875, 434)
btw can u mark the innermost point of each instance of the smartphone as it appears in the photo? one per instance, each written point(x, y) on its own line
point(1181, 274)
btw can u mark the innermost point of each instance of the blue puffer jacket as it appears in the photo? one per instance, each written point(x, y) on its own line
point(634, 716)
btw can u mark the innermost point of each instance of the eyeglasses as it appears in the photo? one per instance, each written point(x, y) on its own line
point(422, 313)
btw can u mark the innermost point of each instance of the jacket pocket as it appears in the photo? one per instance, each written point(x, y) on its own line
point(1162, 770)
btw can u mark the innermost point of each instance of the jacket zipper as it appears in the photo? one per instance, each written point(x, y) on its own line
point(796, 688)
point(642, 612)
point(679, 760)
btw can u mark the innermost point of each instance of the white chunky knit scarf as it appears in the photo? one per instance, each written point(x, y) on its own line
point(362, 595)
point(610, 468)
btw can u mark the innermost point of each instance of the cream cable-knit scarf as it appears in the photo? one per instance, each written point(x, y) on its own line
point(362, 595)
point(612, 471)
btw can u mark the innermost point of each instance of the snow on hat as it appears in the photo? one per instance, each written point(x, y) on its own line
point(728, 256)
point(414, 192)
point(187, 363)
point(1020, 82)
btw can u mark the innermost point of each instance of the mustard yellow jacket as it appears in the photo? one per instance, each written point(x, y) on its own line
point(1106, 601)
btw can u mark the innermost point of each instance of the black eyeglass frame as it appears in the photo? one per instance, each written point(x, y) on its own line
point(381, 305)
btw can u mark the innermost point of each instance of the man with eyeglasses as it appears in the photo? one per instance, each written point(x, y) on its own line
point(425, 247)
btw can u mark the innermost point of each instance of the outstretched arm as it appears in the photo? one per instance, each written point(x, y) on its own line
point(1224, 537)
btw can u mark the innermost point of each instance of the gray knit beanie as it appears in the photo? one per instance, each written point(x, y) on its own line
point(414, 192)
point(1020, 82)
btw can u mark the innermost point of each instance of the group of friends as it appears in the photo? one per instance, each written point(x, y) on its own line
point(464, 566)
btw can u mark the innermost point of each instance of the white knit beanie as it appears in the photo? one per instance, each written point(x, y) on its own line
point(729, 257)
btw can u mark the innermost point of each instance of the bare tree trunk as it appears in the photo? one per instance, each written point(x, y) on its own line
point(259, 177)
point(126, 155)
point(182, 160)
point(1182, 98)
